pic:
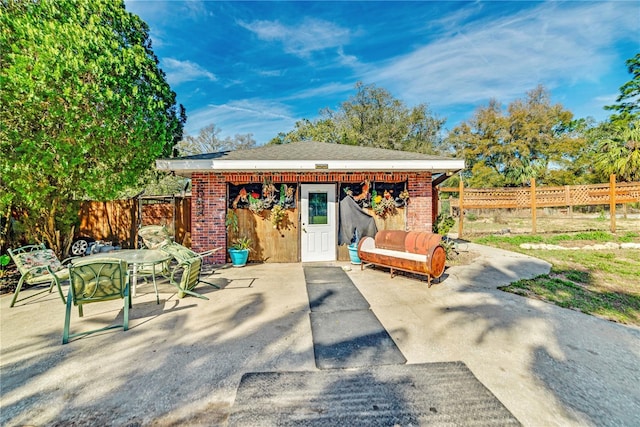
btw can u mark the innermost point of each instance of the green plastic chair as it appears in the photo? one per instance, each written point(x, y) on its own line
point(154, 236)
point(189, 261)
point(158, 237)
point(94, 281)
point(38, 265)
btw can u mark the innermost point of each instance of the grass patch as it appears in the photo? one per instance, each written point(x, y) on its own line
point(554, 239)
point(601, 283)
point(628, 237)
point(555, 288)
point(508, 241)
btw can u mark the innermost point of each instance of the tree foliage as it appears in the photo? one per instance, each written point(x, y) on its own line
point(619, 152)
point(628, 102)
point(85, 108)
point(208, 141)
point(531, 139)
point(372, 118)
point(616, 142)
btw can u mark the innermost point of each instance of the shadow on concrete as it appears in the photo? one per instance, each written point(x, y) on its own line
point(181, 361)
point(179, 364)
point(591, 366)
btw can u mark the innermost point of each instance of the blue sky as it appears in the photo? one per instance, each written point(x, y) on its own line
point(258, 67)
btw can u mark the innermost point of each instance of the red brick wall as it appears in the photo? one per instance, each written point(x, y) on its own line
point(208, 210)
point(209, 192)
point(419, 212)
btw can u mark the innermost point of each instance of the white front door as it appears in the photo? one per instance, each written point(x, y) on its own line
point(318, 219)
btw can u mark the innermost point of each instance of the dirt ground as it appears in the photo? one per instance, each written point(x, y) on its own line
point(518, 221)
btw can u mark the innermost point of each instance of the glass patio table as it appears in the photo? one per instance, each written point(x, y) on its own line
point(137, 259)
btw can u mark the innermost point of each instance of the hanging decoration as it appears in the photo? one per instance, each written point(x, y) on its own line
point(264, 197)
point(258, 197)
point(383, 197)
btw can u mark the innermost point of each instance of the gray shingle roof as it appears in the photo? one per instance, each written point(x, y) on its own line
point(314, 150)
point(310, 156)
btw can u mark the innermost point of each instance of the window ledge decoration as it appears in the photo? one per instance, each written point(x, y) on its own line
point(383, 205)
point(264, 197)
point(383, 198)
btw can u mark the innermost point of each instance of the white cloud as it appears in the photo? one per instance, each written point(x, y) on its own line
point(322, 91)
point(302, 39)
point(263, 119)
point(552, 44)
point(196, 8)
point(348, 60)
point(607, 99)
point(271, 73)
point(193, 9)
point(184, 71)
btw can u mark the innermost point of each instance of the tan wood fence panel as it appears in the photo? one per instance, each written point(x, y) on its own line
point(542, 197)
point(117, 220)
point(570, 195)
point(111, 221)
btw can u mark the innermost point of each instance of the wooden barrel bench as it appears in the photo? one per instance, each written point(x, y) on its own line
point(412, 251)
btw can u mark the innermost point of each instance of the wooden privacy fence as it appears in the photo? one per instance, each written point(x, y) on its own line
point(119, 220)
point(532, 198)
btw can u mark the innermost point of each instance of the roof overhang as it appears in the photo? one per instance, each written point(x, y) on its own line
point(186, 167)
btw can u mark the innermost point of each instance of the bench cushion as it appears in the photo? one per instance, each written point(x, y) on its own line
point(36, 262)
point(396, 254)
point(33, 265)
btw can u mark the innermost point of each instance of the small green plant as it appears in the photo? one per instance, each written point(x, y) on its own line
point(4, 261)
point(599, 236)
point(242, 243)
point(450, 248)
point(231, 222)
point(443, 224)
point(471, 216)
point(578, 276)
point(628, 237)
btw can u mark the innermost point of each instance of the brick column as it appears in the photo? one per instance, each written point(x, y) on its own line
point(420, 212)
point(208, 210)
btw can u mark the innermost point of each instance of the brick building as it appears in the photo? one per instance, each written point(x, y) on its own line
point(307, 180)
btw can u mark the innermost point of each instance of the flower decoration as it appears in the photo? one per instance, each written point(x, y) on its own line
point(278, 214)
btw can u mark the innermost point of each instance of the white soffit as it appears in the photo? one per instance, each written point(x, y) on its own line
point(205, 165)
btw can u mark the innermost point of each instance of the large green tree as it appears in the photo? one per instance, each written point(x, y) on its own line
point(617, 140)
point(372, 118)
point(618, 151)
point(627, 104)
point(85, 108)
point(532, 138)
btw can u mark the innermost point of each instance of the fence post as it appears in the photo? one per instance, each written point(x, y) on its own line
point(461, 213)
point(612, 201)
point(533, 205)
point(567, 197)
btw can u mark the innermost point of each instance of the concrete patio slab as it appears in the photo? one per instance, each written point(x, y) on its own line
point(181, 361)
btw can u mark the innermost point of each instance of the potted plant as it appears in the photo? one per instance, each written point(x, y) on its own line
point(353, 250)
point(239, 251)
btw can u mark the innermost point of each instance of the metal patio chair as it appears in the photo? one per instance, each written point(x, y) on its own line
point(38, 265)
point(154, 236)
point(93, 281)
point(189, 261)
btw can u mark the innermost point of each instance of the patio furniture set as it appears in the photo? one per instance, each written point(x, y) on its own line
point(111, 275)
